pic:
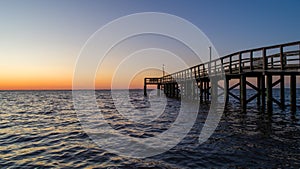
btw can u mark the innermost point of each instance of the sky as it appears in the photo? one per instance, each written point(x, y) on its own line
point(40, 40)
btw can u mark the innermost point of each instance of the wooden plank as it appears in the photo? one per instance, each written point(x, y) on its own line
point(234, 96)
point(252, 86)
point(276, 83)
point(234, 86)
point(252, 97)
point(276, 101)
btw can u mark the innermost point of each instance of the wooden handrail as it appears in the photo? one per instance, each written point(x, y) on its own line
point(239, 64)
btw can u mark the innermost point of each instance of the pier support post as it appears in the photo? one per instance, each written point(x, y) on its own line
point(243, 93)
point(171, 90)
point(185, 89)
point(282, 90)
point(201, 91)
point(191, 84)
point(176, 91)
point(207, 91)
point(269, 94)
point(293, 92)
point(263, 92)
point(165, 89)
point(182, 90)
point(158, 90)
point(226, 90)
point(197, 90)
point(145, 90)
point(214, 88)
point(258, 84)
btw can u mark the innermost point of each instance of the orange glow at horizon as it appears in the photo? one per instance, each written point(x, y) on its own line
point(64, 81)
point(35, 83)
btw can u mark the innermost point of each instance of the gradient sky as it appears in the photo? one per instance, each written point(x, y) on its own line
point(40, 40)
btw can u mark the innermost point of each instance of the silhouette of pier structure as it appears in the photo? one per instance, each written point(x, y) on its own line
point(270, 66)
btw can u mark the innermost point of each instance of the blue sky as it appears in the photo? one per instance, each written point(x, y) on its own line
point(230, 25)
point(46, 36)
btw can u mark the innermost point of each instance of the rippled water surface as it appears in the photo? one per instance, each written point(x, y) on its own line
point(40, 129)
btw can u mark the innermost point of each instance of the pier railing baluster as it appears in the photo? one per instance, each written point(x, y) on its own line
point(251, 60)
point(240, 63)
point(231, 65)
point(265, 59)
point(282, 60)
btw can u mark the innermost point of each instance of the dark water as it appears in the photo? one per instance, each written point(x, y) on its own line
point(40, 129)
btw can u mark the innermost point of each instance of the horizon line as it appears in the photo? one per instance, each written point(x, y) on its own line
point(68, 89)
point(96, 89)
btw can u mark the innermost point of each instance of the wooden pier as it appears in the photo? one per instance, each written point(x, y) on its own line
point(267, 66)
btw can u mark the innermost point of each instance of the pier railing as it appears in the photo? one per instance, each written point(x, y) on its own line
point(276, 58)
